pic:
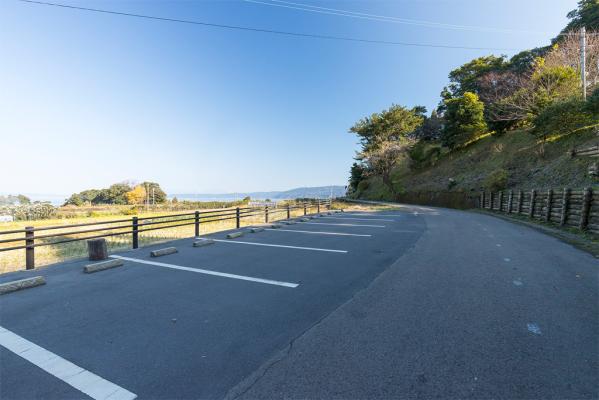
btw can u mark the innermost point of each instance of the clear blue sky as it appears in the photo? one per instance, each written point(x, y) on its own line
point(89, 99)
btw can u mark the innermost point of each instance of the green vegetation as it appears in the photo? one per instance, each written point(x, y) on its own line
point(13, 200)
point(120, 193)
point(501, 123)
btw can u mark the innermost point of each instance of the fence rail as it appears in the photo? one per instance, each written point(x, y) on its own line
point(565, 207)
point(592, 151)
point(134, 226)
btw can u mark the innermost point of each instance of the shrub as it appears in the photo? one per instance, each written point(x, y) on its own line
point(363, 185)
point(592, 105)
point(464, 120)
point(424, 154)
point(496, 180)
point(562, 117)
point(28, 212)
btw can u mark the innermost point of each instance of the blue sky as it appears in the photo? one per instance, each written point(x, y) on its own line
point(90, 99)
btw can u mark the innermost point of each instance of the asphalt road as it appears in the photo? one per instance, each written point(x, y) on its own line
point(427, 303)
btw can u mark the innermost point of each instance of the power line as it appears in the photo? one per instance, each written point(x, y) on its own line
point(261, 30)
point(383, 18)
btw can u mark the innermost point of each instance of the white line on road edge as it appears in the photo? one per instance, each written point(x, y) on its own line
point(318, 233)
point(326, 223)
point(92, 385)
point(280, 245)
point(360, 219)
point(208, 272)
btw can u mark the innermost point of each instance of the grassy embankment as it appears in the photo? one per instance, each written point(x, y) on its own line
point(45, 255)
point(515, 157)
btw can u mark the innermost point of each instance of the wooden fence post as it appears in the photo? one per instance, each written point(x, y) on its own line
point(586, 207)
point(288, 211)
point(549, 204)
point(197, 223)
point(510, 200)
point(305, 208)
point(318, 206)
point(482, 199)
point(30, 250)
point(491, 200)
point(533, 198)
point(500, 200)
point(266, 214)
point(237, 222)
point(135, 233)
point(565, 206)
point(520, 201)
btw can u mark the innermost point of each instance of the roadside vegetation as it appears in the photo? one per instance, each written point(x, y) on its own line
point(501, 123)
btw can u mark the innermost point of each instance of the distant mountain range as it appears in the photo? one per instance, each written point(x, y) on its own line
point(311, 192)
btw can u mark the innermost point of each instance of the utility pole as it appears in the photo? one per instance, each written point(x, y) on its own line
point(153, 197)
point(583, 61)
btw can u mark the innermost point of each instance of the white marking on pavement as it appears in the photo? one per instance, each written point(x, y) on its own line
point(359, 219)
point(317, 233)
point(209, 272)
point(507, 259)
point(534, 328)
point(517, 282)
point(326, 223)
point(280, 245)
point(91, 384)
point(498, 245)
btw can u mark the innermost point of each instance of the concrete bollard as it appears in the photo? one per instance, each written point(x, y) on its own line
point(203, 242)
point(21, 284)
point(163, 252)
point(101, 266)
point(234, 235)
point(256, 230)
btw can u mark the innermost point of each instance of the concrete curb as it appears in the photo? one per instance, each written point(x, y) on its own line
point(234, 235)
point(163, 252)
point(21, 284)
point(256, 230)
point(203, 242)
point(275, 226)
point(101, 266)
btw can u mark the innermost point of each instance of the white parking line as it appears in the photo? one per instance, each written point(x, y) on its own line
point(359, 219)
point(317, 233)
point(280, 245)
point(208, 272)
point(91, 384)
point(326, 223)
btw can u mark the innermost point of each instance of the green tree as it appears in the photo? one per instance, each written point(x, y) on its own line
point(587, 15)
point(357, 174)
point(465, 78)
point(23, 199)
point(155, 192)
point(464, 120)
point(390, 125)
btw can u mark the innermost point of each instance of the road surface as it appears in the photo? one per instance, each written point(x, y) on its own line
point(412, 303)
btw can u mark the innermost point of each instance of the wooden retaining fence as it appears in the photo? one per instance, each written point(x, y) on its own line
point(565, 207)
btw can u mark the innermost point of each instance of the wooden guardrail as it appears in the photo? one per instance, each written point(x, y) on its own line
point(592, 151)
point(30, 237)
point(565, 207)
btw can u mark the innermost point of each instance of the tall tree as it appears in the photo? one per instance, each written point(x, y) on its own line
point(464, 120)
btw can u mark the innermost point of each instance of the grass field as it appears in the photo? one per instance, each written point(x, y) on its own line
point(45, 255)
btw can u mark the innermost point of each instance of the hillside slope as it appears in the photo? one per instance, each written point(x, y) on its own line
point(514, 155)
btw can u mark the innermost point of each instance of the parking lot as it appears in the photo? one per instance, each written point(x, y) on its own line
point(191, 324)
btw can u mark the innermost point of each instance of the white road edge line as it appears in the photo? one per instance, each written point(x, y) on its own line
point(359, 219)
point(280, 245)
point(91, 384)
point(326, 223)
point(209, 272)
point(317, 233)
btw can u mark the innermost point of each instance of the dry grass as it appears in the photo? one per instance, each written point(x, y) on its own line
point(50, 254)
